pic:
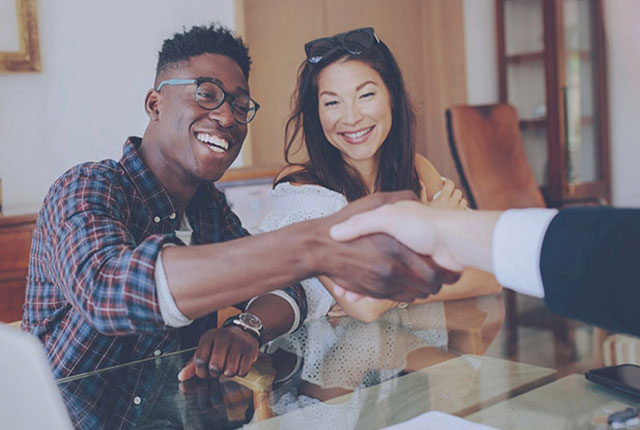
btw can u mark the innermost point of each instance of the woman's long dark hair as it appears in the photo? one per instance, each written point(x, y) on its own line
point(325, 165)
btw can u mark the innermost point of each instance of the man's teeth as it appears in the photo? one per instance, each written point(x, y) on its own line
point(357, 133)
point(214, 142)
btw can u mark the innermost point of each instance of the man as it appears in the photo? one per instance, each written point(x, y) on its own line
point(583, 261)
point(109, 281)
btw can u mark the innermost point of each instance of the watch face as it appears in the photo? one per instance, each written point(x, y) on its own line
point(251, 320)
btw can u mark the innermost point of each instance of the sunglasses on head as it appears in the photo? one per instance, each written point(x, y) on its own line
point(354, 42)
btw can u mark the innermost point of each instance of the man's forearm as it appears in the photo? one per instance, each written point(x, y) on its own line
point(205, 278)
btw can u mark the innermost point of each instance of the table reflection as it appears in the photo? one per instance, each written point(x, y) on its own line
point(326, 366)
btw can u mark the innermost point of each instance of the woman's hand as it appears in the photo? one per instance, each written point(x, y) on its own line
point(449, 197)
point(228, 351)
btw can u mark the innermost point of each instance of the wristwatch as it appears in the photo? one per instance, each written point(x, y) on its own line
point(247, 322)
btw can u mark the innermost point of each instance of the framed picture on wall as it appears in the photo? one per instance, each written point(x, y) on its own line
point(19, 42)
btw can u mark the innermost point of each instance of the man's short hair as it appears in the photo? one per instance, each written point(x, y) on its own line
point(214, 39)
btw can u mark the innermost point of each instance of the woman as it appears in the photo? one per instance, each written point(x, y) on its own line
point(355, 119)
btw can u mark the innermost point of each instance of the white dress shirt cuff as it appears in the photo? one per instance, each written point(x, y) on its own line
point(517, 242)
point(171, 315)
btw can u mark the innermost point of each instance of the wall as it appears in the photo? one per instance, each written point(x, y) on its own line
point(623, 33)
point(480, 51)
point(623, 62)
point(98, 61)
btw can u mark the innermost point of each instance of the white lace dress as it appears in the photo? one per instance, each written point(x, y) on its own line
point(291, 204)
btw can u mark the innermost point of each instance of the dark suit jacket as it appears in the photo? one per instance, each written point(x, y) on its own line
point(590, 266)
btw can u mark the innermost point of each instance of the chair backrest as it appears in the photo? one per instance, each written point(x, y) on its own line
point(29, 397)
point(488, 151)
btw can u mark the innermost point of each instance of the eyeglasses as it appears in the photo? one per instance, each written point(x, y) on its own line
point(354, 42)
point(210, 96)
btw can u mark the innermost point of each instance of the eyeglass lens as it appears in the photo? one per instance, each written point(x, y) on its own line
point(210, 96)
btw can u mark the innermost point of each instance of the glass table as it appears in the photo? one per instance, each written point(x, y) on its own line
point(569, 403)
point(334, 373)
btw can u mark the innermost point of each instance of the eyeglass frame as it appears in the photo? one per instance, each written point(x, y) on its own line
point(225, 95)
point(339, 41)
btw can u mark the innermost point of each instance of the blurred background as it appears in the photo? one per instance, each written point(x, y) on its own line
point(570, 68)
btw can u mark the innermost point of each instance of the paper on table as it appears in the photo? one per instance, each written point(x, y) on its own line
point(436, 420)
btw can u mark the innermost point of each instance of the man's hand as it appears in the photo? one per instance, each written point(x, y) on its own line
point(406, 221)
point(376, 265)
point(228, 351)
point(455, 239)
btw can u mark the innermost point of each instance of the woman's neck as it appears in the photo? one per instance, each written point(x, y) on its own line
point(368, 170)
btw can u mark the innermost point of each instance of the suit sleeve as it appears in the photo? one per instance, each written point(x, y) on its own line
point(590, 268)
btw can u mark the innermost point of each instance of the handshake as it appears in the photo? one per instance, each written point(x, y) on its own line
point(389, 245)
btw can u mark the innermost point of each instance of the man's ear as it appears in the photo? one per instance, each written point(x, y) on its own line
point(151, 104)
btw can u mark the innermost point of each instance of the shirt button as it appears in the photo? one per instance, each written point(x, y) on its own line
point(157, 352)
point(157, 219)
point(173, 215)
point(137, 400)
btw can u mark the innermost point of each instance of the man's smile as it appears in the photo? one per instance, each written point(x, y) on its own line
point(215, 143)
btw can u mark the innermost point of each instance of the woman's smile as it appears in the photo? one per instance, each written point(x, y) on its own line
point(357, 137)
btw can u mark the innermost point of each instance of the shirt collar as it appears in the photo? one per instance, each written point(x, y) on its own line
point(143, 179)
point(154, 194)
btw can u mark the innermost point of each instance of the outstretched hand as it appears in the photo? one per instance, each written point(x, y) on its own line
point(407, 222)
point(454, 239)
point(378, 266)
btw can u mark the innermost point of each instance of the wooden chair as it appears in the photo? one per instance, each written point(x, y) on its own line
point(487, 148)
point(488, 151)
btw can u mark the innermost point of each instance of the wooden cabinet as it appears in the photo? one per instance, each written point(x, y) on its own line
point(15, 243)
point(551, 64)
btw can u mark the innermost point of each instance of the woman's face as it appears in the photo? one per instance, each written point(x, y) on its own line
point(355, 110)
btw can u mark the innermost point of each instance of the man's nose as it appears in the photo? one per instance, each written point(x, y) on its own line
point(223, 114)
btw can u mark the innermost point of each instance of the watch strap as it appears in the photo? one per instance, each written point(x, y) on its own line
point(236, 322)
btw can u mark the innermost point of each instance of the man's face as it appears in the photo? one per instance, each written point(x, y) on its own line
point(198, 144)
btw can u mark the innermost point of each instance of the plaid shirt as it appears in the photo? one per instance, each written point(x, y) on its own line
point(91, 294)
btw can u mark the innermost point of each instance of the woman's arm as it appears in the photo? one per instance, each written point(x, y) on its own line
point(472, 283)
point(430, 178)
point(366, 309)
point(437, 191)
